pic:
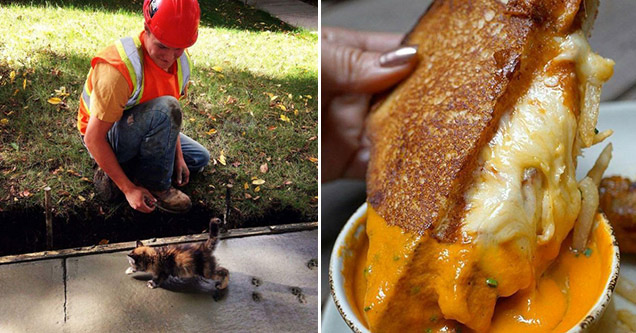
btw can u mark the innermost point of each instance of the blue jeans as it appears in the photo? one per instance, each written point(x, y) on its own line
point(145, 139)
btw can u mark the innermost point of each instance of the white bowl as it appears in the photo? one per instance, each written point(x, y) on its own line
point(336, 280)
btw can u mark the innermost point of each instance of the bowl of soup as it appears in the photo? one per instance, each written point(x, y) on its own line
point(570, 296)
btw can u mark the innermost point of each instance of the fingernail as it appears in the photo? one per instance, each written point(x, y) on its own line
point(398, 56)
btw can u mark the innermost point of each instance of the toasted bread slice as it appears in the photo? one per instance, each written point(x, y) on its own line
point(476, 58)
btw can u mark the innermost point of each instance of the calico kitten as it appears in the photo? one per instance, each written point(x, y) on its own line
point(182, 261)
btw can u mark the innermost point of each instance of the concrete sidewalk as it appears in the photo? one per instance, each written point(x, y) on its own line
point(294, 12)
point(273, 288)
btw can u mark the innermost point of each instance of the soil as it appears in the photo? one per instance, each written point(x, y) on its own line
point(24, 231)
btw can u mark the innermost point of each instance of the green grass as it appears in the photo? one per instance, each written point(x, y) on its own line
point(243, 59)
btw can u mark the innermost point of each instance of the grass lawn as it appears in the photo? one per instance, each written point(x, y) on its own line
point(252, 102)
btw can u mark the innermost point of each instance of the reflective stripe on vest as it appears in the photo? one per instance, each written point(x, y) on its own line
point(131, 53)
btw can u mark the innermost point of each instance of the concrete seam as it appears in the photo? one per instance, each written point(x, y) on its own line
point(65, 293)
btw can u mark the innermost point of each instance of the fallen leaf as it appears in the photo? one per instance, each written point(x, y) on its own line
point(272, 97)
point(222, 158)
point(24, 84)
point(312, 159)
point(103, 241)
point(230, 100)
point(248, 196)
point(217, 69)
point(257, 189)
point(295, 112)
point(290, 96)
point(4, 121)
point(86, 179)
point(308, 96)
point(258, 182)
point(271, 128)
point(211, 131)
point(264, 168)
point(281, 106)
point(54, 100)
point(12, 76)
point(15, 146)
point(312, 138)
point(288, 182)
point(246, 185)
point(81, 198)
point(284, 118)
point(256, 197)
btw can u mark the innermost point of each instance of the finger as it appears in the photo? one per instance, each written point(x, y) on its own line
point(350, 69)
point(368, 41)
point(342, 128)
point(179, 170)
point(186, 174)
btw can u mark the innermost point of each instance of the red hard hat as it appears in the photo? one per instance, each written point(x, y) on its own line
point(174, 22)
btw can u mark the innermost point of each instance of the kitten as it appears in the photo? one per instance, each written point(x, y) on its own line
point(181, 261)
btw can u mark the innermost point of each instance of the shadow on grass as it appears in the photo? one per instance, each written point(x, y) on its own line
point(230, 14)
point(48, 142)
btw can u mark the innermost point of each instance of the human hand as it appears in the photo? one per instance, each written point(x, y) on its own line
point(355, 65)
point(140, 199)
point(181, 172)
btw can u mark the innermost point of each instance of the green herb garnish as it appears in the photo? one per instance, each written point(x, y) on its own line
point(433, 318)
point(492, 283)
point(367, 308)
point(587, 252)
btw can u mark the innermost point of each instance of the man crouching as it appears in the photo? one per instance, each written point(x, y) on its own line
point(130, 117)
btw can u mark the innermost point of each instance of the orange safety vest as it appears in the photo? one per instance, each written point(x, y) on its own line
point(145, 79)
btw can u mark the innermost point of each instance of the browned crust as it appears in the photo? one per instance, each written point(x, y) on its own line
point(476, 59)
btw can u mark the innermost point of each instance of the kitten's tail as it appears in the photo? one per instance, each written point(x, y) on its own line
point(214, 233)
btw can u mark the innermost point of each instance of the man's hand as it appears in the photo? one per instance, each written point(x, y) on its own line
point(181, 171)
point(140, 199)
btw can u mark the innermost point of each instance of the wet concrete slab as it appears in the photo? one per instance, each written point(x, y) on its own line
point(272, 288)
point(32, 296)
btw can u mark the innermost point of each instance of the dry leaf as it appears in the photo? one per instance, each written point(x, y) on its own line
point(222, 158)
point(248, 196)
point(288, 182)
point(4, 121)
point(284, 118)
point(281, 106)
point(246, 185)
point(312, 159)
point(308, 96)
point(218, 69)
point(103, 242)
point(24, 84)
point(258, 182)
point(290, 96)
point(54, 100)
point(264, 168)
point(257, 189)
point(12, 76)
point(81, 198)
point(230, 100)
point(211, 131)
point(271, 128)
point(272, 97)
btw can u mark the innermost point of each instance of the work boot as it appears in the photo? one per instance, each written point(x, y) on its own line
point(172, 201)
point(105, 188)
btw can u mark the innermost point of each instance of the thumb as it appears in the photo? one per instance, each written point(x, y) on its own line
point(350, 69)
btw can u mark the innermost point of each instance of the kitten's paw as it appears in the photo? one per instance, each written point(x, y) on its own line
point(130, 270)
point(152, 284)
